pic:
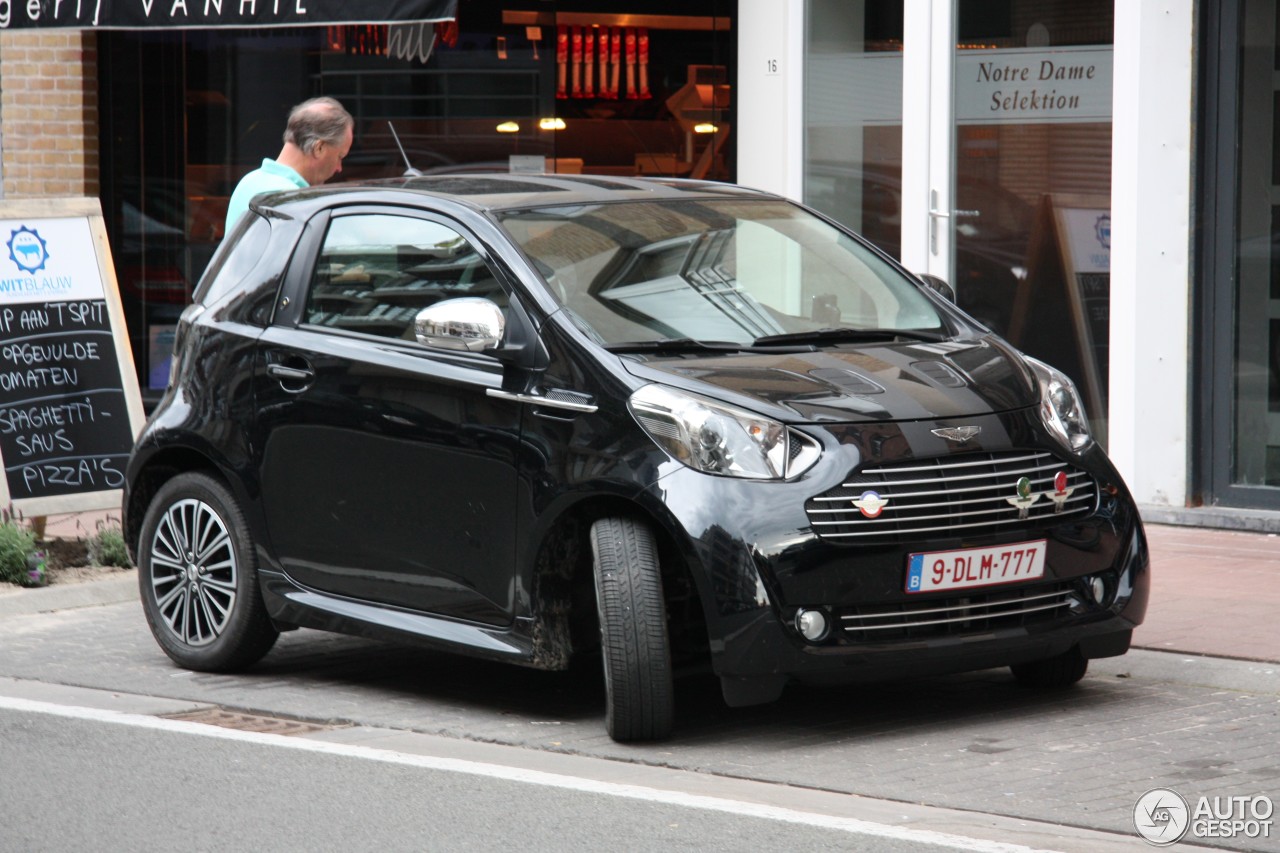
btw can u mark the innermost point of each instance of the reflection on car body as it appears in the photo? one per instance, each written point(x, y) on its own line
point(667, 423)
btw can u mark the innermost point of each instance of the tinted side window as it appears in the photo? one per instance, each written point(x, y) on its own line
point(234, 262)
point(377, 271)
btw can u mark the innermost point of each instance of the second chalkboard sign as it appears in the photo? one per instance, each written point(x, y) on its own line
point(69, 400)
point(1062, 313)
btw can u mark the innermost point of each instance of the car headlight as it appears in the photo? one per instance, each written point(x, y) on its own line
point(1061, 407)
point(714, 438)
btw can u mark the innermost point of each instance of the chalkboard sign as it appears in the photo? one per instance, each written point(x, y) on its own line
point(1062, 313)
point(69, 400)
point(1084, 227)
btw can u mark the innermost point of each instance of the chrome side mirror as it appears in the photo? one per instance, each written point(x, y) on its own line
point(938, 286)
point(470, 323)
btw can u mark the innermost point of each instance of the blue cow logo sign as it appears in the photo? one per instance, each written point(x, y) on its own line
point(27, 249)
point(1102, 228)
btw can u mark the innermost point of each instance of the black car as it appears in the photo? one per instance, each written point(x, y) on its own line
point(670, 423)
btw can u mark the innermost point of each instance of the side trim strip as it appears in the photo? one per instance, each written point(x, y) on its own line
point(538, 400)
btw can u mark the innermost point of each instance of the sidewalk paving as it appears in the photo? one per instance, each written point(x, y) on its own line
point(1214, 592)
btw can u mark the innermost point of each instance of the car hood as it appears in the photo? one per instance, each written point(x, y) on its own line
point(891, 381)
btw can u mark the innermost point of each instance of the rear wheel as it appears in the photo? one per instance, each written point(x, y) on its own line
point(198, 577)
point(1061, 670)
point(633, 631)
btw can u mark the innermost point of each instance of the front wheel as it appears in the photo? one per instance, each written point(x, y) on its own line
point(198, 577)
point(633, 631)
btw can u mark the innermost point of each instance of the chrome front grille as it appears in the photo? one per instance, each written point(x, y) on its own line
point(963, 495)
point(967, 614)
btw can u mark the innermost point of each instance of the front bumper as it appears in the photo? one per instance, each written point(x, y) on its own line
point(757, 565)
point(757, 652)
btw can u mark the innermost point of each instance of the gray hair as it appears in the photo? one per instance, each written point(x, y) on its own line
point(317, 120)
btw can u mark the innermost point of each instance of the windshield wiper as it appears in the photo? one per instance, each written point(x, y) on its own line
point(848, 336)
point(693, 345)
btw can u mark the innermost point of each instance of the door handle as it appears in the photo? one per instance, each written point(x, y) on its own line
point(297, 374)
point(947, 214)
point(936, 213)
point(293, 380)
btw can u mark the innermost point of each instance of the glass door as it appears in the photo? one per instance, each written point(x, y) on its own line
point(1009, 132)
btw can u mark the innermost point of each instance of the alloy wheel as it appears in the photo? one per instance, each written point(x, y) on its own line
point(193, 572)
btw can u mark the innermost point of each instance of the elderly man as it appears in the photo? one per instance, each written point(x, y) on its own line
point(316, 139)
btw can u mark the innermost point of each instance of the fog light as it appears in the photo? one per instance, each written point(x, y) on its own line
point(812, 625)
point(1098, 589)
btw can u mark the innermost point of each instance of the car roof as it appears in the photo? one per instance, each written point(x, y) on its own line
point(502, 191)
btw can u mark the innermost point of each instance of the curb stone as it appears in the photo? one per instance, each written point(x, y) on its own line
point(113, 590)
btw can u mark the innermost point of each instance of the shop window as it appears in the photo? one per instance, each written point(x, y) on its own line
point(185, 114)
point(1255, 398)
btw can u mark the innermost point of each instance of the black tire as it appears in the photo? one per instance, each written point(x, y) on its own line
point(633, 631)
point(1059, 671)
point(198, 578)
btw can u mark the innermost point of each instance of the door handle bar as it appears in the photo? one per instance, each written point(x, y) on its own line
point(297, 374)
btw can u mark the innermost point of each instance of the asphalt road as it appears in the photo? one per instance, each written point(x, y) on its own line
point(79, 784)
point(111, 780)
point(973, 757)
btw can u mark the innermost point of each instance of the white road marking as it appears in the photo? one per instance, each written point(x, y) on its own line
point(526, 776)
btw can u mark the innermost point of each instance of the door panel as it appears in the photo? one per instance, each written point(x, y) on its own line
point(387, 473)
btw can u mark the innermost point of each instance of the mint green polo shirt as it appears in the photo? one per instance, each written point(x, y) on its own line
point(268, 177)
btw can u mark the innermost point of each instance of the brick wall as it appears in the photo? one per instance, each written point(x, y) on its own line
point(49, 113)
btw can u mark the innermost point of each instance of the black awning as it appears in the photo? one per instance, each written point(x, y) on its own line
point(203, 14)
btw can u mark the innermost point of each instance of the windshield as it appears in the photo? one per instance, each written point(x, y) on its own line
point(727, 270)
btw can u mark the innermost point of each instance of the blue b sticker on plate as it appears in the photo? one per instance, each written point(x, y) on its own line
point(914, 571)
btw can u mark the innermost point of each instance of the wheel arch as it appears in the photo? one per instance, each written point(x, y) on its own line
point(563, 594)
point(159, 468)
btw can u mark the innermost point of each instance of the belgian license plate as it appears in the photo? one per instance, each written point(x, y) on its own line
point(939, 570)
